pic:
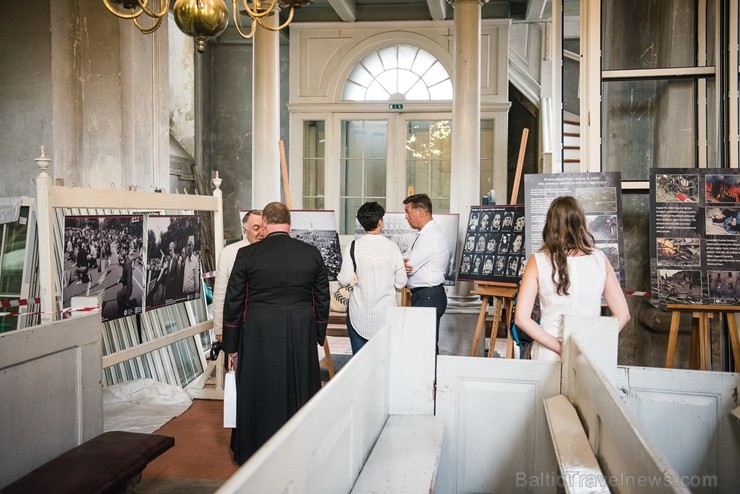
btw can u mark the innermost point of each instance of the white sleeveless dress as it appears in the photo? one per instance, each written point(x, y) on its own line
point(587, 280)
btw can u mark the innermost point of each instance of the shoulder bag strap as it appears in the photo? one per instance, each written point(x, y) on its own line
point(352, 255)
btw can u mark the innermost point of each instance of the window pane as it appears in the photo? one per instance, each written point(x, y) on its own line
point(11, 269)
point(362, 170)
point(375, 178)
point(347, 212)
point(428, 156)
point(667, 34)
point(350, 176)
point(398, 71)
point(647, 124)
point(314, 163)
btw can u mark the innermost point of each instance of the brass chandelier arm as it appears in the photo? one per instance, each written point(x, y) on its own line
point(240, 29)
point(281, 26)
point(165, 6)
point(258, 12)
point(148, 30)
point(133, 15)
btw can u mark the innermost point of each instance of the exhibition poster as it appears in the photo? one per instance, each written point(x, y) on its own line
point(494, 246)
point(319, 228)
point(103, 258)
point(695, 236)
point(600, 195)
point(173, 260)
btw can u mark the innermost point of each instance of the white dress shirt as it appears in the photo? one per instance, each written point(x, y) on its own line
point(428, 257)
point(223, 271)
point(380, 272)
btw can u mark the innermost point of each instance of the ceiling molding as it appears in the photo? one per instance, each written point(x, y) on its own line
point(437, 9)
point(345, 9)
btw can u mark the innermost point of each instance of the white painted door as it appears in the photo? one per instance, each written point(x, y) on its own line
point(511, 452)
point(687, 415)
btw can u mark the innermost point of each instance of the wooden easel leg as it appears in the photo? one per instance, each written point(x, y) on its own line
point(494, 327)
point(509, 339)
point(694, 353)
point(734, 338)
point(479, 326)
point(327, 358)
point(670, 358)
point(704, 341)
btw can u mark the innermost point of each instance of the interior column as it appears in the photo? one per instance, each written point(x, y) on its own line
point(266, 115)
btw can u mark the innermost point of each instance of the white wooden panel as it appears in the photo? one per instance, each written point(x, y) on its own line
point(52, 399)
point(598, 336)
point(412, 347)
point(687, 415)
point(496, 436)
point(626, 455)
point(322, 447)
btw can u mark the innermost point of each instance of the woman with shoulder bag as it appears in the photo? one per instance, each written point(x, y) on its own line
point(380, 272)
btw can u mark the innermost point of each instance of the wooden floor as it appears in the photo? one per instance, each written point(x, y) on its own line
point(201, 459)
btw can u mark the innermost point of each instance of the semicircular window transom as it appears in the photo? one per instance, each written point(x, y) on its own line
point(398, 73)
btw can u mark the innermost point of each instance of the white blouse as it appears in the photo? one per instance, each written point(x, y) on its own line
point(380, 272)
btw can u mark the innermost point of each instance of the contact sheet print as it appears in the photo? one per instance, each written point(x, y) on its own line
point(493, 250)
point(695, 235)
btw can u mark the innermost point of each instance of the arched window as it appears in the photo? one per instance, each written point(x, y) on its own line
point(398, 73)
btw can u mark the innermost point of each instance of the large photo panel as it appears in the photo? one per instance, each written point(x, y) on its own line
point(600, 195)
point(695, 236)
point(173, 260)
point(103, 258)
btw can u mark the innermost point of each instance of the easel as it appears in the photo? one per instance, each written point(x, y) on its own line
point(327, 361)
point(701, 314)
point(504, 293)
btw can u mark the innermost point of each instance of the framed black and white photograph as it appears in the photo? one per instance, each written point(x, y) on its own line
point(103, 258)
point(173, 259)
point(319, 228)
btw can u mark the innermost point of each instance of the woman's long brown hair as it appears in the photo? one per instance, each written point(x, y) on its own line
point(565, 232)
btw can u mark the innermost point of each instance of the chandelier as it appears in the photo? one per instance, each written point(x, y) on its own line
point(204, 19)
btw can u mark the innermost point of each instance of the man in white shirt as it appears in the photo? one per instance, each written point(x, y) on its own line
point(427, 259)
point(253, 231)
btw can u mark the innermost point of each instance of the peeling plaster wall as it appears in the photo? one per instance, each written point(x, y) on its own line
point(25, 93)
point(92, 89)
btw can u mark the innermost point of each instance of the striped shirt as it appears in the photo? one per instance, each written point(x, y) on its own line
point(380, 272)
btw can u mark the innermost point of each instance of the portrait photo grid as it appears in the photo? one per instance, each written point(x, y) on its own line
point(494, 245)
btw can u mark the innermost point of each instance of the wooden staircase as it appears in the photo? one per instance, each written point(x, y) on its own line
point(571, 143)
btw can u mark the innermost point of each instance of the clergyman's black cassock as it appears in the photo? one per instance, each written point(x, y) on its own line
point(275, 313)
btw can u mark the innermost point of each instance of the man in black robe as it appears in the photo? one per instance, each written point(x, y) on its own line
point(275, 313)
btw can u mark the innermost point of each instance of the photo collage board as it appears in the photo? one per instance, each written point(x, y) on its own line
point(600, 196)
point(110, 258)
point(494, 245)
point(695, 236)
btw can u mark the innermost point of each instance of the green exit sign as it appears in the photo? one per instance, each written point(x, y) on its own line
point(395, 106)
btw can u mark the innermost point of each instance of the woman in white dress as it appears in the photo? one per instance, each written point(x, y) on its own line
point(380, 272)
point(570, 276)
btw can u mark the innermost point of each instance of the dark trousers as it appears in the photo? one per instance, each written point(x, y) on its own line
point(431, 296)
point(355, 340)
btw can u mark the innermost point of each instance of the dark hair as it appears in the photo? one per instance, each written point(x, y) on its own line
point(419, 201)
point(369, 215)
point(565, 232)
point(276, 213)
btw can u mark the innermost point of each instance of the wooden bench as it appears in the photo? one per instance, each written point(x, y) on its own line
point(109, 463)
point(578, 465)
point(405, 456)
